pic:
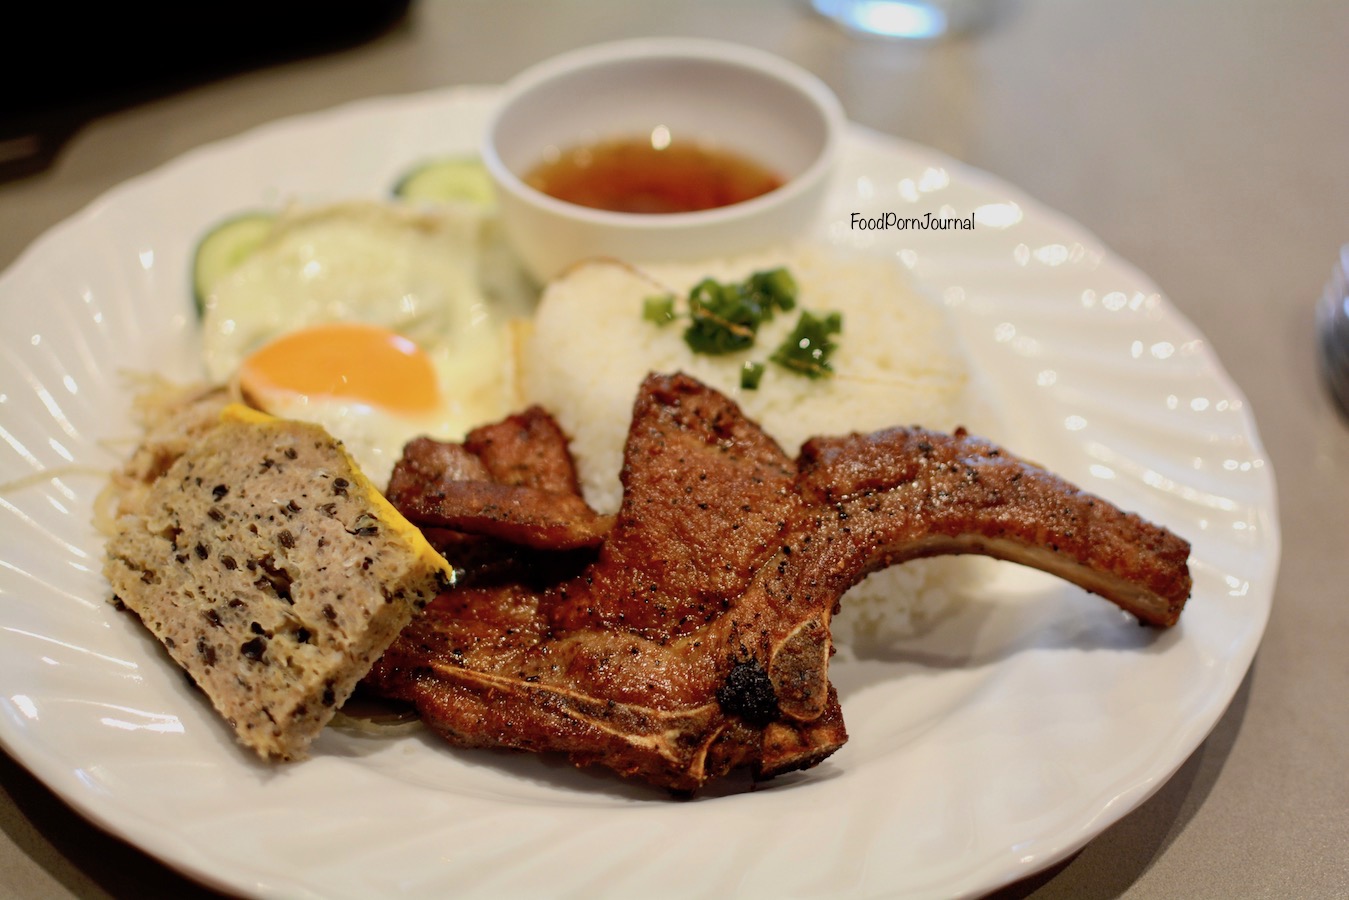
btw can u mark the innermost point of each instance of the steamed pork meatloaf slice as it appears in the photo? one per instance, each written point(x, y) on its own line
point(273, 571)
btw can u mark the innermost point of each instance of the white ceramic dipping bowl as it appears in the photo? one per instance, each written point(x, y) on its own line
point(725, 95)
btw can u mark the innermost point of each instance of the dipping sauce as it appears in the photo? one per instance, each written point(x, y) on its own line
point(639, 175)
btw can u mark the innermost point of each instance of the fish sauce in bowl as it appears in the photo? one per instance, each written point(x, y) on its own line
point(690, 119)
point(652, 176)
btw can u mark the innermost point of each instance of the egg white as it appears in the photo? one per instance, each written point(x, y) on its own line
point(419, 273)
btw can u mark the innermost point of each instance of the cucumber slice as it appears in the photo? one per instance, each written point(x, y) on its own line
point(452, 178)
point(224, 247)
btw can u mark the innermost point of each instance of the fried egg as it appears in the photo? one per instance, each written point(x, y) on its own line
point(371, 320)
point(372, 388)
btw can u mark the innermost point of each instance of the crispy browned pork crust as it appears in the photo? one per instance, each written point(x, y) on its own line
point(513, 481)
point(695, 639)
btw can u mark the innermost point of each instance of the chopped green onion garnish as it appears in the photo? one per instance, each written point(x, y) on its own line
point(725, 318)
point(722, 318)
point(807, 349)
point(773, 288)
point(659, 309)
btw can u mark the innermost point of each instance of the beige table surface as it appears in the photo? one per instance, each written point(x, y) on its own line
point(1206, 142)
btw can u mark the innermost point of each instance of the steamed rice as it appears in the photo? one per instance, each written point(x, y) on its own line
point(897, 363)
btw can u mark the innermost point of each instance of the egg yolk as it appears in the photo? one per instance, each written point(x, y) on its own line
point(347, 361)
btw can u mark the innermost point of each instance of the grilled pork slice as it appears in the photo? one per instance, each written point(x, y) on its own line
point(696, 638)
point(513, 480)
point(904, 493)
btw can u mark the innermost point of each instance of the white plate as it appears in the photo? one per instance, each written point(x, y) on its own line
point(996, 745)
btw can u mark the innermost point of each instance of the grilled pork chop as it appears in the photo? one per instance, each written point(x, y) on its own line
point(694, 638)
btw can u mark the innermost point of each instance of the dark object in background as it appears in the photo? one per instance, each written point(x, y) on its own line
point(65, 64)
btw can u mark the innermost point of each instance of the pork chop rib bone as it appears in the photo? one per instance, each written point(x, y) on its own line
point(694, 639)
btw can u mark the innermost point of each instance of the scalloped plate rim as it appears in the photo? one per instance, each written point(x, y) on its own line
point(181, 854)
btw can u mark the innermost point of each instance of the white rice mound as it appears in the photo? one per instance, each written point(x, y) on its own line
point(897, 363)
